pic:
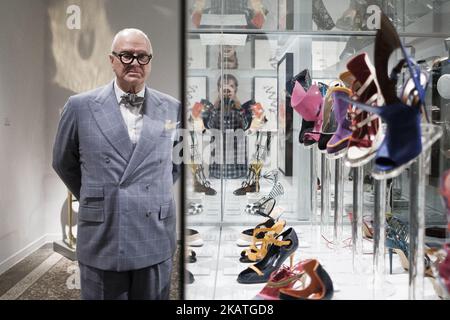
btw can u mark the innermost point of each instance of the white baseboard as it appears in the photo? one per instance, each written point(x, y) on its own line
point(27, 250)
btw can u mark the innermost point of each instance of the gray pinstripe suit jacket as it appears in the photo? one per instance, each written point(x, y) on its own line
point(126, 218)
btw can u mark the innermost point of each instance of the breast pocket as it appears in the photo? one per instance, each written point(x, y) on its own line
point(92, 203)
point(167, 210)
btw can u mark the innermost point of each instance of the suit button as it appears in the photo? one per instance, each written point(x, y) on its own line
point(148, 214)
point(85, 201)
point(147, 187)
point(107, 160)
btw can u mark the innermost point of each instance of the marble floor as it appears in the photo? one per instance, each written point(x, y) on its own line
point(47, 275)
point(218, 266)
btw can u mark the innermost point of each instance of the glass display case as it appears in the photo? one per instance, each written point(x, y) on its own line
point(250, 159)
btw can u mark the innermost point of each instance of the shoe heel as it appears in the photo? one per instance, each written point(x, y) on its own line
point(291, 260)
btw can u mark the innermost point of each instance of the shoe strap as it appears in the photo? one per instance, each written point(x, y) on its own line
point(258, 272)
point(277, 190)
point(275, 229)
point(365, 85)
point(278, 243)
point(363, 122)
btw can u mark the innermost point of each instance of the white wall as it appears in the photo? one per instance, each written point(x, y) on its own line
point(102, 19)
point(22, 125)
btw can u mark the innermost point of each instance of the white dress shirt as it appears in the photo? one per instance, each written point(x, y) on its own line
point(132, 121)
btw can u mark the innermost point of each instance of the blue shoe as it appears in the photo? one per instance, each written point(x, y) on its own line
point(397, 240)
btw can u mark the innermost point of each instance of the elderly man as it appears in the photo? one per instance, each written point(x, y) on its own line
point(113, 150)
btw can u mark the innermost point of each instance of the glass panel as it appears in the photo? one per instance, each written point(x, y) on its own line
point(259, 154)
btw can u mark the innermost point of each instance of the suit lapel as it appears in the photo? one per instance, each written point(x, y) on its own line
point(152, 128)
point(106, 112)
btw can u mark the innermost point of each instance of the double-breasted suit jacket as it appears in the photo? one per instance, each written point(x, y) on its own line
point(127, 213)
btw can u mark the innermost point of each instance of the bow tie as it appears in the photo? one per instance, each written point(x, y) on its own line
point(132, 99)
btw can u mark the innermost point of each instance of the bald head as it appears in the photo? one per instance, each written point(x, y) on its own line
point(130, 33)
point(131, 42)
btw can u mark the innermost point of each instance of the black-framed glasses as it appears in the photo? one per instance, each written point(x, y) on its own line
point(128, 58)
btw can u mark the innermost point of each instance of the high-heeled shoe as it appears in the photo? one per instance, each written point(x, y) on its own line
point(329, 124)
point(397, 237)
point(201, 184)
point(341, 137)
point(309, 105)
point(366, 136)
point(246, 236)
point(319, 288)
point(304, 79)
point(258, 207)
point(259, 246)
point(251, 184)
point(283, 278)
point(306, 103)
point(281, 247)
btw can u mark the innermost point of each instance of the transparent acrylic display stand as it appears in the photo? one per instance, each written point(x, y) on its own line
point(380, 287)
point(358, 209)
point(357, 218)
point(338, 197)
point(314, 230)
point(430, 134)
point(325, 195)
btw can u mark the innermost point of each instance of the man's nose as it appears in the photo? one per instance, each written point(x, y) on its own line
point(135, 62)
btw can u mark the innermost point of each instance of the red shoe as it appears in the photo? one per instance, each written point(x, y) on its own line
point(284, 277)
point(366, 136)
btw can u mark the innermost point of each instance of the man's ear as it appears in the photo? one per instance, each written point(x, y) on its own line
point(111, 58)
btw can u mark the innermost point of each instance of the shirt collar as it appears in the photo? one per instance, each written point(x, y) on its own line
point(119, 92)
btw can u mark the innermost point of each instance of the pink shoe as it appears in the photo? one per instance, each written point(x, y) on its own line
point(309, 105)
